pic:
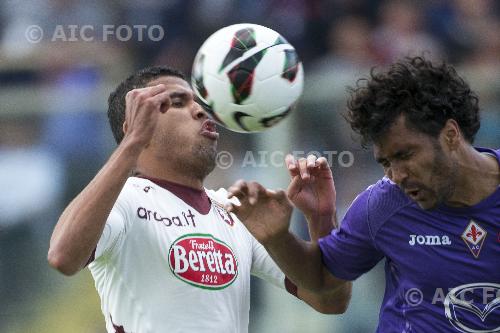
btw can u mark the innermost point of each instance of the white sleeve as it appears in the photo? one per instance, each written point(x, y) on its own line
point(115, 229)
point(264, 267)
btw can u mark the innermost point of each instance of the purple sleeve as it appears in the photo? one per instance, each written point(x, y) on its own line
point(349, 251)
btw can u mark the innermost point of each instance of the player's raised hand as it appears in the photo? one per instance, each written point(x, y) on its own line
point(311, 188)
point(265, 213)
point(143, 107)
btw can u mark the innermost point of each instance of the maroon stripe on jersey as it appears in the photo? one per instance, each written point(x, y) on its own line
point(291, 287)
point(118, 329)
point(198, 199)
point(91, 258)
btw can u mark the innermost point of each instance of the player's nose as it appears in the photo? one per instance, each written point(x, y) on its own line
point(398, 174)
point(198, 112)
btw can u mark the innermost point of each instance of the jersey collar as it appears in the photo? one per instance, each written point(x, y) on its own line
point(198, 199)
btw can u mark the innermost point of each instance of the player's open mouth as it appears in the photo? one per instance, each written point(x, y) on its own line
point(209, 129)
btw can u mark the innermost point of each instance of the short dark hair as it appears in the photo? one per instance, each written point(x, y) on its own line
point(427, 95)
point(116, 100)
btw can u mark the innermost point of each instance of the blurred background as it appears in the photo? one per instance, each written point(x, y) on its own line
point(54, 134)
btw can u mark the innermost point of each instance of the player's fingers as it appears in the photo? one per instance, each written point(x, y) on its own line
point(322, 168)
point(140, 94)
point(253, 194)
point(255, 190)
point(162, 100)
point(281, 196)
point(239, 189)
point(242, 211)
point(304, 172)
point(232, 208)
point(130, 102)
point(291, 165)
point(294, 187)
point(239, 210)
point(322, 163)
point(153, 90)
point(240, 184)
point(274, 194)
point(135, 97)
point(311, 162)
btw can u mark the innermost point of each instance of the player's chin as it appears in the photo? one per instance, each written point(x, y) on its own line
point(206, 150)
point(209, 144)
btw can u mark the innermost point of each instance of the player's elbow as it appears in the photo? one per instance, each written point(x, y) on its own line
point(62, 263)
point(337, 308)
point(338, 302)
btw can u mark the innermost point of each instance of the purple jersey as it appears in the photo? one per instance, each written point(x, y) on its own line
point(442, 266)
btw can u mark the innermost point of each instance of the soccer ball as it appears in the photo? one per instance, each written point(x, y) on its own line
point(248, 77)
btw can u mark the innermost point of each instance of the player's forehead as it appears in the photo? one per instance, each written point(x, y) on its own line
point(172, 83)
point(398, 138)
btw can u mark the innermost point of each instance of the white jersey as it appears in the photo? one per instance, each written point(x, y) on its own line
point(163, 266)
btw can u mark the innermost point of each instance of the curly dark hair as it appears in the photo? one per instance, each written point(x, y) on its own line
point(116, 100)
point(426, 94)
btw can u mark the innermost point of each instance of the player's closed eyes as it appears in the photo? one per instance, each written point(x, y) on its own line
point(405, 155)
point(402, 155)
point(179, 99)
point(178, 102)
point(399, 156)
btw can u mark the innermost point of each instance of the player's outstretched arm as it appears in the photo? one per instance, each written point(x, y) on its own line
point(333, 301)
point(312, 190)
point(80, 226)
point(266, 214)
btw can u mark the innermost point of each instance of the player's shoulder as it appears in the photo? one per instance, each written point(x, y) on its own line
point(135, 185)
point(491, 151)
point(219, 199)
point(136, 188)
point(220, 196)
point(385, 196)
point(380, 201)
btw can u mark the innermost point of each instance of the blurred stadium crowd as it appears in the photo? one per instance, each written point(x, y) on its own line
point(54, 134)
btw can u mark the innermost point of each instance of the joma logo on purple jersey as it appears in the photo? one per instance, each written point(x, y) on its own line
point(429, 240)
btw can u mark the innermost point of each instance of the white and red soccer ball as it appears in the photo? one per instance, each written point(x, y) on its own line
point(248, 77)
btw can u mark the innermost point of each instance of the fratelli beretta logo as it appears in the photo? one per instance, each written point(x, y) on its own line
point(203, 261)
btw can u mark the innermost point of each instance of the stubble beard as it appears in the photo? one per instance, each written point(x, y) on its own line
point(443, 175)
point(203, 160)
point(198, 163)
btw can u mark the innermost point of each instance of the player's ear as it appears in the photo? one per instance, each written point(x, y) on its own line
point(451, 134)
point(124, 127)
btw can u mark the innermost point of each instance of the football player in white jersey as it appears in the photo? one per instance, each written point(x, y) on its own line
point(164, 253)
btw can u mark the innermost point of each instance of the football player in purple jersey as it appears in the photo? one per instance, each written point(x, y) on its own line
point(434, 217)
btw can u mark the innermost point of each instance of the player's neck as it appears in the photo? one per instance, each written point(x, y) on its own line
point(478, 176)
point(150, 167)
